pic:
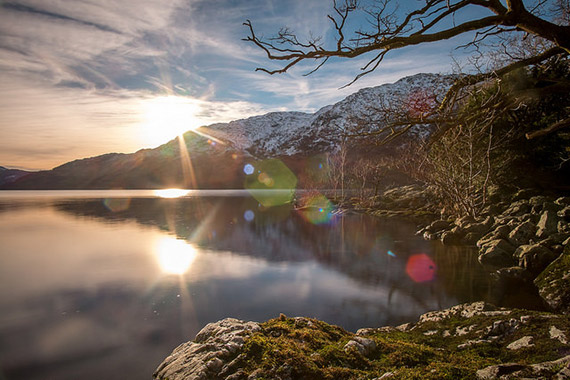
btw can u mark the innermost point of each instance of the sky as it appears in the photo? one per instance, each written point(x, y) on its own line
point(80, 78)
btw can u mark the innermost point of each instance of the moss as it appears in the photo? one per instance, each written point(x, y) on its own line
point(303, 348)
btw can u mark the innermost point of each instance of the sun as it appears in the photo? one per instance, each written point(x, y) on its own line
point(166, 117)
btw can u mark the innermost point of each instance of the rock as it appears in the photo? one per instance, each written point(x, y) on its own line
point(554, 283)
point(523, 233)
point(461, 222)
point(547, 225)
point(215, 346)
point(564, 213)
point(497, 253)
point(471, 238)
point(518, 208)
point(556, 333)
point(363, 345)
point(535, 258)
point(501, 232)
point(563, 227)
point(437, 226)
point(566, 242)
point(513, 277)
point(537, 200)
point(524, 342)
point(496, 371)
point(452, 238)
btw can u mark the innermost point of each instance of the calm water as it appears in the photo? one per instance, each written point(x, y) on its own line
point(103, 285)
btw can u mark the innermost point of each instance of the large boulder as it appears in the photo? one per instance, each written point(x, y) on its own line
point(522, 233)
point(548, 224)
point(210, 355)
point(497, 253)
point(535, 258)
point(554, 283)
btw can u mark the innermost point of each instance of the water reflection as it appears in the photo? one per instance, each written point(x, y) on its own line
point(174, 256)
point(92, 291)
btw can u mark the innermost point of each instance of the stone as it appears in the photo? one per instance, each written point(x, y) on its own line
point(496, 371)
point(437, 226)
point(522, 233)
point(556, 333)
point(554, 283)
point(524, 342)
point(513, 277)
point(535, 258)
point(215, 346)
point(563, 227)
point(497, 253)
point(564, 213)
point(547, 225)
point(501, 232)
point(364, 346)
point(452, 238)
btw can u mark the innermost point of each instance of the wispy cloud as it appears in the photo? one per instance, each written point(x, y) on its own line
point(76, 73)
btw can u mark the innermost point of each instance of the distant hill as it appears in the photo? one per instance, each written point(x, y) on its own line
point(218, 160)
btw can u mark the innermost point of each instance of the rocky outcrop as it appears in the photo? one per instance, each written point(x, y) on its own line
point(500, 343)
point(210, 355)
point(530, 232)
point(554, 283)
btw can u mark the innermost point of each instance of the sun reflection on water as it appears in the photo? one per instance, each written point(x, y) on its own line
point(171, 193)
point(175, 256)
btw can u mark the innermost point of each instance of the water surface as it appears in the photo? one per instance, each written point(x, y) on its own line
point(104, 284)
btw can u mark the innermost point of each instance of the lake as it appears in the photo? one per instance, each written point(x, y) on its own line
point(104, 284)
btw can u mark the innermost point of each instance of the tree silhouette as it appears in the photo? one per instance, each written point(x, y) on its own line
point(546, 22)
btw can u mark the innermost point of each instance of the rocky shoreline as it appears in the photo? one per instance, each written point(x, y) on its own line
point(525, 241)
point(469, 341)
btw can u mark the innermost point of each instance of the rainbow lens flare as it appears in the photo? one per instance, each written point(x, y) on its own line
point(270, 182)
point(421, 268)
point(318, 210)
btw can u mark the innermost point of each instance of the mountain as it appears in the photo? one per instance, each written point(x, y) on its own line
point(11, 175)
point(219, 152)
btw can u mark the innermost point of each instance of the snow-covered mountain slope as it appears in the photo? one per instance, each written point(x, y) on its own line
point(288, 133)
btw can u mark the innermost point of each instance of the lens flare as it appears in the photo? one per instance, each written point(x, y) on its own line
point(421, 268)
point(274, 185)
point(174, 256)
point(318, 210)
point(117, 204)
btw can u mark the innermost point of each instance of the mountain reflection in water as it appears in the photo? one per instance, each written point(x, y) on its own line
point(106, 288)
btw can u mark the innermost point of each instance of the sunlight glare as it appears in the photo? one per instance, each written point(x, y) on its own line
point(175, 256)
point(171, 193)
point(166, 117)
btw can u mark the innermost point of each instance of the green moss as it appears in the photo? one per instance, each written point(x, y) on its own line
point(310, 349)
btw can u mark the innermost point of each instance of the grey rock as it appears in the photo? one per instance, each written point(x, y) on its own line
point(535, 258)
point(215, 346)
point(563, 201)
point(496, 371)
point(554, 284)
point(523, 233)
point(364, 346)
point(556, 333)
point(547, 225)
point(566, 242)
point(501, 232)
point(524, 342)
point(497, 253)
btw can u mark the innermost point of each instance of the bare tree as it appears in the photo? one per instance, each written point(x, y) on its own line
point(433, 20)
